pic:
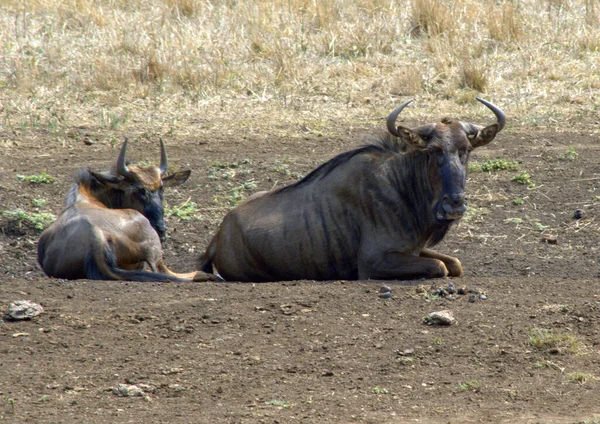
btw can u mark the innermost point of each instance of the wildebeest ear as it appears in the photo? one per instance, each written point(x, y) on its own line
point(105, 178)
point(176, 178)
point(484, 136)
point(410, 137)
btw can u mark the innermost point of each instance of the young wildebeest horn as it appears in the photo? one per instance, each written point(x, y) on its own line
point(113, 225)
point(164, 164)
point(121, 162)
point(369, 213)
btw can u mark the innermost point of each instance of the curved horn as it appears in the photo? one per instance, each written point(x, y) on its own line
point(500, 116)
point(164, 163)
point(391, 120)
point(121, 166)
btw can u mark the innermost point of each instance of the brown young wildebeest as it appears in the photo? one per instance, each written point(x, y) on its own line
point(112, 225)
point(369, 213)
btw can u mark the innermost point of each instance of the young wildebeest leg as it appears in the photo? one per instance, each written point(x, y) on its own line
point(194, 275)
point(395, 265)
point(453, 265)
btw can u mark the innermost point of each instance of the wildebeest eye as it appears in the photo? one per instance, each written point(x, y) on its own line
point(143, 193)
point(440, 158)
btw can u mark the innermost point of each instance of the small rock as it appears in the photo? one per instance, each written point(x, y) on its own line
point(482, 296)
point(549, 239)
point(451, 290)
point(444, 317)
point(327, 373)
point(442, 293)
point(473, 298)
point(88, 141)
point(125, 390)
point(386, 295)
point(23, 309)
point(385, 289)
point(578, 214)
point(461, 290)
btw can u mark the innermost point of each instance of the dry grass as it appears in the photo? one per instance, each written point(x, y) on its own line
point(63, 62)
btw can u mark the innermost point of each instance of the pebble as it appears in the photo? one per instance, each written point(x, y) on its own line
point(578, 214)
point(385, 292)
point(444, 317)
point(461, 291)
point(23, 309)
point(473, 298)
point(125, 390)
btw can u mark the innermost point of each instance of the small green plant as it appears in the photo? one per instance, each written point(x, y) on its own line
point(42, 178)
point(493, 165)
point(524, 178)
point(405, 360)
point(280, 403)
point(515, 220)
point(518, 202)
point(438, 340)
point(380, 390)
point(112, 120)
point(540, 227)
point(472, 385)
point(430, 296)
point(571, 154)
point(11, 402)
point(39, 202)
point(580, 377)
point(548, 364)
point(556, 342)
point(184, 211)
point(39, 220)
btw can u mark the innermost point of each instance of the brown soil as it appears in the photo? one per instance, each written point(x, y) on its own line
point(310, 351)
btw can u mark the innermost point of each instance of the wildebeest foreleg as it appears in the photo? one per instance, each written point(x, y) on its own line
point(453, 265)
point(397, 265)
point(191, 276)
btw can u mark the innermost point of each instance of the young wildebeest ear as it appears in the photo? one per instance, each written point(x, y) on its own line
point(176, 178)
point(107, 179)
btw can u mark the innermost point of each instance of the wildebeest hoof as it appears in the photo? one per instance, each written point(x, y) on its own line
point(455, 268)
point(204, 276)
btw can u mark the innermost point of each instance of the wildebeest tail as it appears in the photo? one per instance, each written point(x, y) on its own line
point(101, 264)
point(206, 263)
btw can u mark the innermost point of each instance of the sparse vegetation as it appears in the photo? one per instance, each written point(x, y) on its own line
point(493, 165)
point(350, 53)
point(42, 178)
point(524, 178)
point(39, 220)
point(185, 211)
point(380, 390)
point(518, 202)
point(580, 377)
point(555, 342)
point(472, 385)
point(570, 155)
point(280, 403)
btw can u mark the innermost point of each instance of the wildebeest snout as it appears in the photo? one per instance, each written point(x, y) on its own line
point(454, 205)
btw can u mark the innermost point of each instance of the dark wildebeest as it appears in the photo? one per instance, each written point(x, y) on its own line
point(113, 225)
point(370, 213)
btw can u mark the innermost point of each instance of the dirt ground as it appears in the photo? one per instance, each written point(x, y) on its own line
point(311, 352)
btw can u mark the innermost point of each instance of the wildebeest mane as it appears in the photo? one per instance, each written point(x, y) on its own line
point(375, 143)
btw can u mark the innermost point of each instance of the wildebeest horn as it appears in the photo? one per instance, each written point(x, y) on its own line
point(391, 120)
point(121, 166)
point(164, 164)
point(500, 116)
